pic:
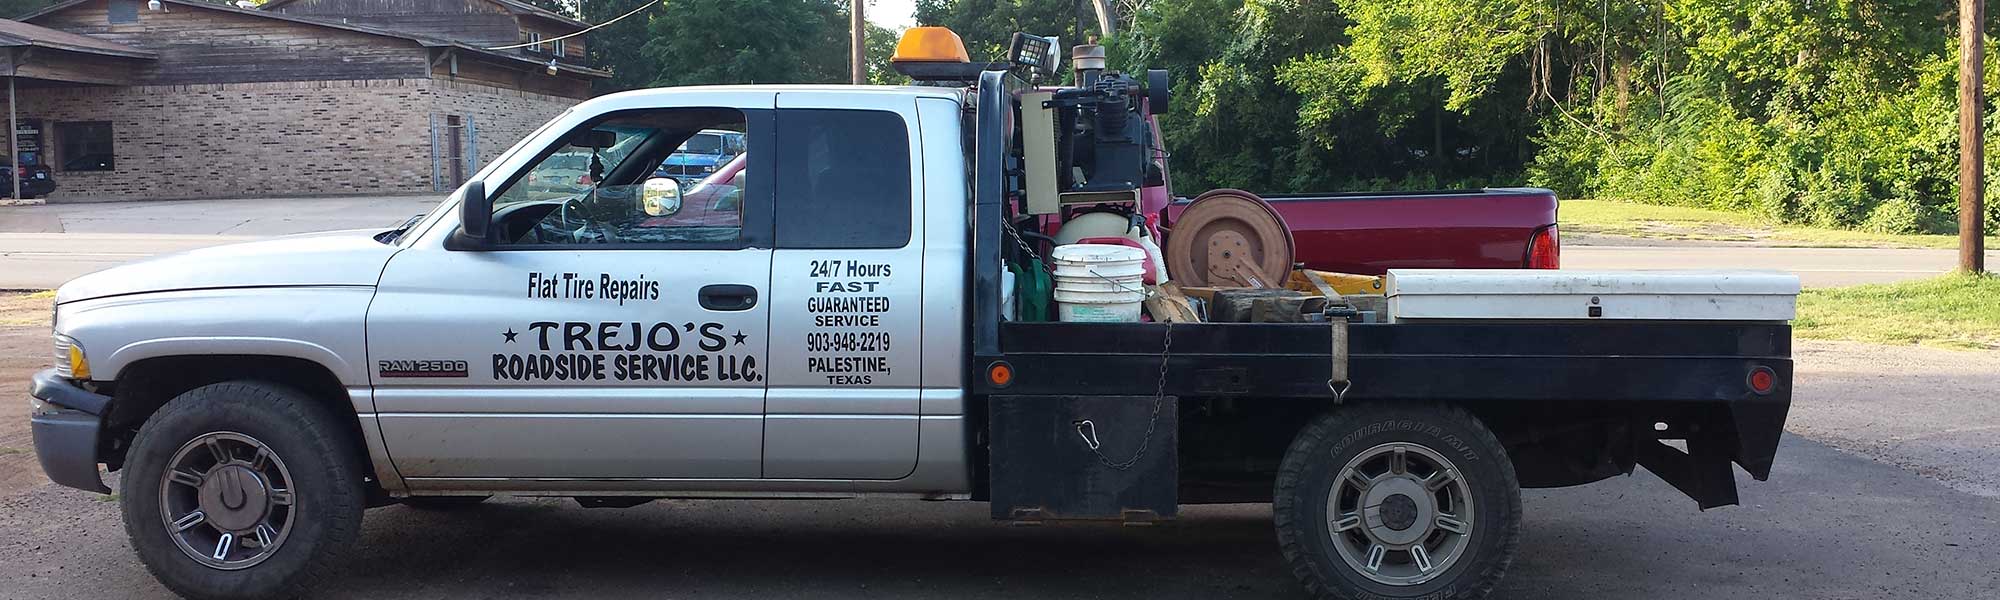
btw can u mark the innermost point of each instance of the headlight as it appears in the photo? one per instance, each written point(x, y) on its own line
point(70, 361)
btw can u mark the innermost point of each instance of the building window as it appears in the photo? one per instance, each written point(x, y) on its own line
point(85, 146)
point(534, 39)
point(122, 11)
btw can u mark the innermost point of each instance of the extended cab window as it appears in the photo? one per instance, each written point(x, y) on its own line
point(619, 182)
point(843, 179)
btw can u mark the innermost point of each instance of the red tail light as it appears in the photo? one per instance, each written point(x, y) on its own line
point(1545, 249)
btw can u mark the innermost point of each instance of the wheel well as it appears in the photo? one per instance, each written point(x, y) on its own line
point(145, 386)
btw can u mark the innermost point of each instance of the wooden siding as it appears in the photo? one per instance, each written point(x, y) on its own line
point(477, 22)
point(473, 21)
point(198, 46)
point(529, 79)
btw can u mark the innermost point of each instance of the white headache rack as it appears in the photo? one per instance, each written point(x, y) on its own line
point(1419, 295)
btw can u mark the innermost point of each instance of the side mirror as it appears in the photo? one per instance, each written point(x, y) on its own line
point(475, 218)
point(660, 196)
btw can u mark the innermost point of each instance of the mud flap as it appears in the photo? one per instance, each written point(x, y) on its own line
point(1084, 457)
point(1703, 472)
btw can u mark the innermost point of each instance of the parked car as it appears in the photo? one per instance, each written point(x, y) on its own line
point(702, 155)
point(36, 181)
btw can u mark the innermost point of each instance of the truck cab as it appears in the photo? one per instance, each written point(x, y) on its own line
point(835, 327)
point(622, 339)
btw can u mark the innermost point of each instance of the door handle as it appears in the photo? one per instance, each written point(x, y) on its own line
point(728, 297)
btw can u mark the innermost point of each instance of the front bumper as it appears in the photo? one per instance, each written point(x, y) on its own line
point(66, 439)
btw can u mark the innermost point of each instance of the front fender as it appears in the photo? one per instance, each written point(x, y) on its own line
point(322, 324)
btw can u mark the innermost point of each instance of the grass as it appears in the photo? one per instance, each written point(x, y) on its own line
point(1610, 217)
point(25, 310)
point(1953, 311)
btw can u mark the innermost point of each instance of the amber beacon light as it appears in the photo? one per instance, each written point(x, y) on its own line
point(930, 44)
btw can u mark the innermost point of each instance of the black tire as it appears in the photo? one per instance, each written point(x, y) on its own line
point(443, 502)
point(308, 440)
point(1322, 453)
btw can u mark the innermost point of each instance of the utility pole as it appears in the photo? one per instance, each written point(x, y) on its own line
point(1971, 136)
point(860, 44)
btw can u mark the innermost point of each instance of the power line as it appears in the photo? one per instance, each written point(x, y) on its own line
point(635, 11)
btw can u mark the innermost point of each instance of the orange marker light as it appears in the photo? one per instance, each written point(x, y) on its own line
point(1000, 374)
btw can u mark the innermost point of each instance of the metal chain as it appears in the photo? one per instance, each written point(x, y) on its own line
point(1159, 387)
point(1159, 399)
point(1020, 241)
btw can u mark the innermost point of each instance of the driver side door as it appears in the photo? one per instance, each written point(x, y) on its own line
point(606, 337)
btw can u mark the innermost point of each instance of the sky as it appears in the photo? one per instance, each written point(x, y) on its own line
point(893, 14)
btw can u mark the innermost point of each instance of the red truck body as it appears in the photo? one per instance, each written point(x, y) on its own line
point(1372, 232)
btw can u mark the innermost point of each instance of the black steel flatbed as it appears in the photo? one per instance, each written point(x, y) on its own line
point(1583, 400)
point(1692, 375)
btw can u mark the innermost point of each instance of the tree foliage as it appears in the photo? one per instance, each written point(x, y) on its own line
point(1834, 112)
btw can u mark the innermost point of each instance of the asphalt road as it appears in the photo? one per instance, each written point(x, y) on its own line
point(1828, 525)
point(43, 246)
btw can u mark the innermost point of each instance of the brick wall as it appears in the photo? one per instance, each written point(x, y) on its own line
point(277, 139)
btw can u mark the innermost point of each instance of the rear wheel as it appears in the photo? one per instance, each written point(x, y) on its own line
point(241, 490)
point(1384, 501)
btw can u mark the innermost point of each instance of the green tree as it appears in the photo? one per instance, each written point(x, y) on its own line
point(616, 47)
point(747, 41)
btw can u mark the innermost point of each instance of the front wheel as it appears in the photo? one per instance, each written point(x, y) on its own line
point(1380, 501)
point(242, 490)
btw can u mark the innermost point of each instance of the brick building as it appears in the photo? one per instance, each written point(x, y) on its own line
point(300, 97)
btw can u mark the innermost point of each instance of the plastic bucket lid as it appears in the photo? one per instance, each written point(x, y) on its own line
point(1098, 260)
point(1095, 253)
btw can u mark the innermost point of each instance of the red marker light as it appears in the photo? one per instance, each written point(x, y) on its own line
point(1762, 380)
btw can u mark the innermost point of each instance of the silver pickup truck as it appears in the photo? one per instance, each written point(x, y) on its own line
point(835, 328)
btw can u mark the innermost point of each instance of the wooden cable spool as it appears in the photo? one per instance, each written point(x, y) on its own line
point(1229, 238)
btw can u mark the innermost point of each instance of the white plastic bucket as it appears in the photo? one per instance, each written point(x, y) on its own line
point(1098, 283)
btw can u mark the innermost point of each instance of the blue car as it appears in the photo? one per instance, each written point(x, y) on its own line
point(701, 155)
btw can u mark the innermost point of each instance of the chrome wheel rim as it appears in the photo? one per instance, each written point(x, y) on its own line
point(1400, 514)
point(226, 499)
